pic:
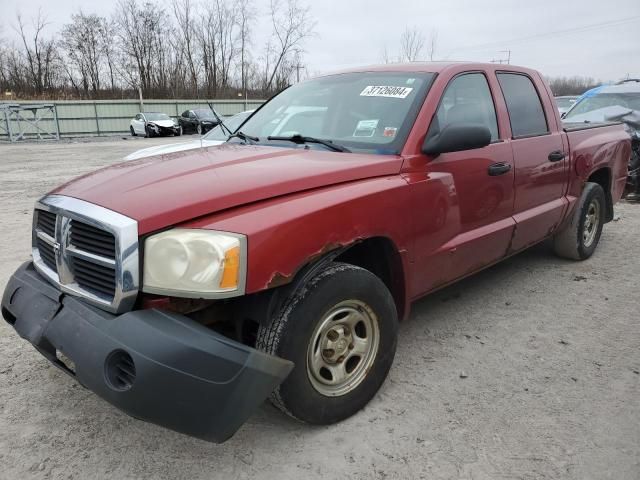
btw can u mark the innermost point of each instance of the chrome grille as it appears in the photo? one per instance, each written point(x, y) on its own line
point(47, 254)
point(87, 250)
point(92, 240)
point(94, 277)
point(46, 221)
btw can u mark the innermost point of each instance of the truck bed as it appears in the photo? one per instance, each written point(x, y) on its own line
point(576, 126)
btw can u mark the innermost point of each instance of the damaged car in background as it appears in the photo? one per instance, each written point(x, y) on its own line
point(153, 124)
point(615, 103)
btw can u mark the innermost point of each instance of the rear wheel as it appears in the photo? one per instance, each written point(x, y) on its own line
point(579, 238)
point(340, 330)
point(133, 132)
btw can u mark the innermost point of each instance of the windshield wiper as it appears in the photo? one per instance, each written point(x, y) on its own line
point(244, 137)
point(299, 139)
point(220, 122)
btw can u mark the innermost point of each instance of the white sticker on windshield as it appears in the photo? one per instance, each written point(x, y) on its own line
point(386, 91)
point(366, 128)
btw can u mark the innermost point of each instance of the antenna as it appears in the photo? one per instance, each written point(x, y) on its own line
point(503, 60)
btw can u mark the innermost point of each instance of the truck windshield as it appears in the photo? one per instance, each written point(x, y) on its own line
point(366, 111)
point(603, 100)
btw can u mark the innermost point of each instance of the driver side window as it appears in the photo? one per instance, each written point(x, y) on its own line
point(467, 100)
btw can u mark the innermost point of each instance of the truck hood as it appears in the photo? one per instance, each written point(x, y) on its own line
point(166, 190)
point(171, 148)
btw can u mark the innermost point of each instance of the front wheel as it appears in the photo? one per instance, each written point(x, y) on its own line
point(340, 331)
point(199, 129)
point(133, 132)
point(579, 239)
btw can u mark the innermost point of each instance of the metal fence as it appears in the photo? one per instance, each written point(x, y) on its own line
point(78, 118)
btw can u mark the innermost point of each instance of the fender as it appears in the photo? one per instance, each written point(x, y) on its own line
point(287, 234)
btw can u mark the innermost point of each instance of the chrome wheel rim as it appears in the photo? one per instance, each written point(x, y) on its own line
point(591, 222)
point(343, 348)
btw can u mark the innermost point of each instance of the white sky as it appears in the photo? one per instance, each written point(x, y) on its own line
point(355, 32)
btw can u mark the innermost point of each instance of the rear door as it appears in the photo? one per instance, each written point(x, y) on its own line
point(539, 159)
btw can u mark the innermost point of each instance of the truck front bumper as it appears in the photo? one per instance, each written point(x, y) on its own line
point(156, 366)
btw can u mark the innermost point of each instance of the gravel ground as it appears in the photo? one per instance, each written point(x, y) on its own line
point(528, 370)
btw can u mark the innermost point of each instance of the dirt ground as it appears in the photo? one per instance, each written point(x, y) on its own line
point(529, 370)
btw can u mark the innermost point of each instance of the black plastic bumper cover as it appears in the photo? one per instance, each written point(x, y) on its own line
point(185, 376)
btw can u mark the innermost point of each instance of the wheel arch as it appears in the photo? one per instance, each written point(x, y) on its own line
point(602, 176)
point(378, 254)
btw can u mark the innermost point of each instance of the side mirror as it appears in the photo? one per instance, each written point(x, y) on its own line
point(455, 138)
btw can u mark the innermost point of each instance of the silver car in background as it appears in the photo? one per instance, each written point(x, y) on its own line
point(565, 102)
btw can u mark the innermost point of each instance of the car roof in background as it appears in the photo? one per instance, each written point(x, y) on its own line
point(628, 87)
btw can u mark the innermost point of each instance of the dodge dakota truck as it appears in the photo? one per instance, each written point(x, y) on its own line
point(186, 288)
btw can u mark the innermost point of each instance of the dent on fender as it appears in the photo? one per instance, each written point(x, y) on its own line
point(279, 279)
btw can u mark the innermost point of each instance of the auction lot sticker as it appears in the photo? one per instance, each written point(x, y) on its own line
point(386, 91)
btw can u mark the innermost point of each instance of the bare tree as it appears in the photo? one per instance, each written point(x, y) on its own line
point(385, 55)
point(183, 12)
point(168, 48)
point(411, 44)
point(433, 43)
point(292, 24)
point(143, 33)
point(245, 18)
point(40, 53)
point(571, 85)
point(84, 41)
point(227, 23)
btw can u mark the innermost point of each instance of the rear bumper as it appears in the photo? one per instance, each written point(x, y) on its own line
point(184, 376)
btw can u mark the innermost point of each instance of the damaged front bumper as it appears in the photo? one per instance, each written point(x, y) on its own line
point(156, 366)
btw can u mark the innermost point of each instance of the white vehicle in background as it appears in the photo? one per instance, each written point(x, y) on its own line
point(215, 136)
point(150, 124)
point(290, 120)
point(565, 102)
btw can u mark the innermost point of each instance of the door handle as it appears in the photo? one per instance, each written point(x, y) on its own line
point(500, 168)
point(556, 156)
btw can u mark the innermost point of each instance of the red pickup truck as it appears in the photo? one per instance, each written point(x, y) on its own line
point(186, 288)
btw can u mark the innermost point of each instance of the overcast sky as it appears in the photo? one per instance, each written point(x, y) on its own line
point(592, 38)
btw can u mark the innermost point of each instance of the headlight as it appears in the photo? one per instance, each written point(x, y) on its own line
point(195, 263)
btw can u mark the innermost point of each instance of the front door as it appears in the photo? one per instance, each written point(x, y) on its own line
point(479, 223)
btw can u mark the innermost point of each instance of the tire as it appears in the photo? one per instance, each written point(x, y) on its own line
point(579, 238)
point(295, 333)
point(199, 129)
point(133, 132)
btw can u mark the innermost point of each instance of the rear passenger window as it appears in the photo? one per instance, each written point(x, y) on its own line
point(467, 100)
point(523, 103)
